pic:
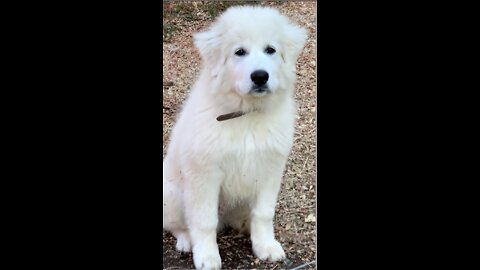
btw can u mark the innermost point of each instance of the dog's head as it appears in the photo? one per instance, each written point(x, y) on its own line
point(251, 49)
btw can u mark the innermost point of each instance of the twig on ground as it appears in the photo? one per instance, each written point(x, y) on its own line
point(303, 265)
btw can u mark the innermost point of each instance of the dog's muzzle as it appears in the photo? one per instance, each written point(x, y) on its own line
point(259, 79)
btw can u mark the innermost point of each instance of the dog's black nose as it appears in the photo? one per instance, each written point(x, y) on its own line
point(259, 77)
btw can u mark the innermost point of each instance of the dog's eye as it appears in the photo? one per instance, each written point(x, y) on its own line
point(240, 52)
point(270, 50)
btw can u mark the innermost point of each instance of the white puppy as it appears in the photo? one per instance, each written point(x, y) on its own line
point(229, 147)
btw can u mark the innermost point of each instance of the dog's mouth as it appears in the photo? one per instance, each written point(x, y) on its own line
point(256, 91)
point(259, 91)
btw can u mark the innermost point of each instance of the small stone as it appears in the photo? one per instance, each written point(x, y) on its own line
point(310, 218)
point(287, 262)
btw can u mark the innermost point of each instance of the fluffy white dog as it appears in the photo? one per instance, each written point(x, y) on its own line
point(229, 147)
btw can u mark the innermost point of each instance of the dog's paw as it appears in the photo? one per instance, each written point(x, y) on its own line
point(271, 251)
point(183, 243)
point(207, 258)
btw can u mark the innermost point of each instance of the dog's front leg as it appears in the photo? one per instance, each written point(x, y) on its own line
point(201, 203)
point(262, 235)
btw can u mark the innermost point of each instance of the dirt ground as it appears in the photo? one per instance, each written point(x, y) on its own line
point(295, 219)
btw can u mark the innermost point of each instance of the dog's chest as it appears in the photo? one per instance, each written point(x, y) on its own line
point(255, 137)
point(244, 174)
point(250, 155)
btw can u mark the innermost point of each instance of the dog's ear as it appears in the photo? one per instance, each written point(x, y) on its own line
point(209, 43)
point(296, 37)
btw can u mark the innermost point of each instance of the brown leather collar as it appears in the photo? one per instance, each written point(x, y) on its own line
point(227, 116)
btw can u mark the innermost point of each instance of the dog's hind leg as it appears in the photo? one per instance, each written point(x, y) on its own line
point(183, 240)
point(173, 209)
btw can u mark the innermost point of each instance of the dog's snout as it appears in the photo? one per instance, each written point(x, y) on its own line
point(259, 77)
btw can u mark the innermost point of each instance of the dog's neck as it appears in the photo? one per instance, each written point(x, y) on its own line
point(247, 105)
point(242, 110)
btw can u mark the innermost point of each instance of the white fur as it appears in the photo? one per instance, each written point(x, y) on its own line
point(229, 172)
